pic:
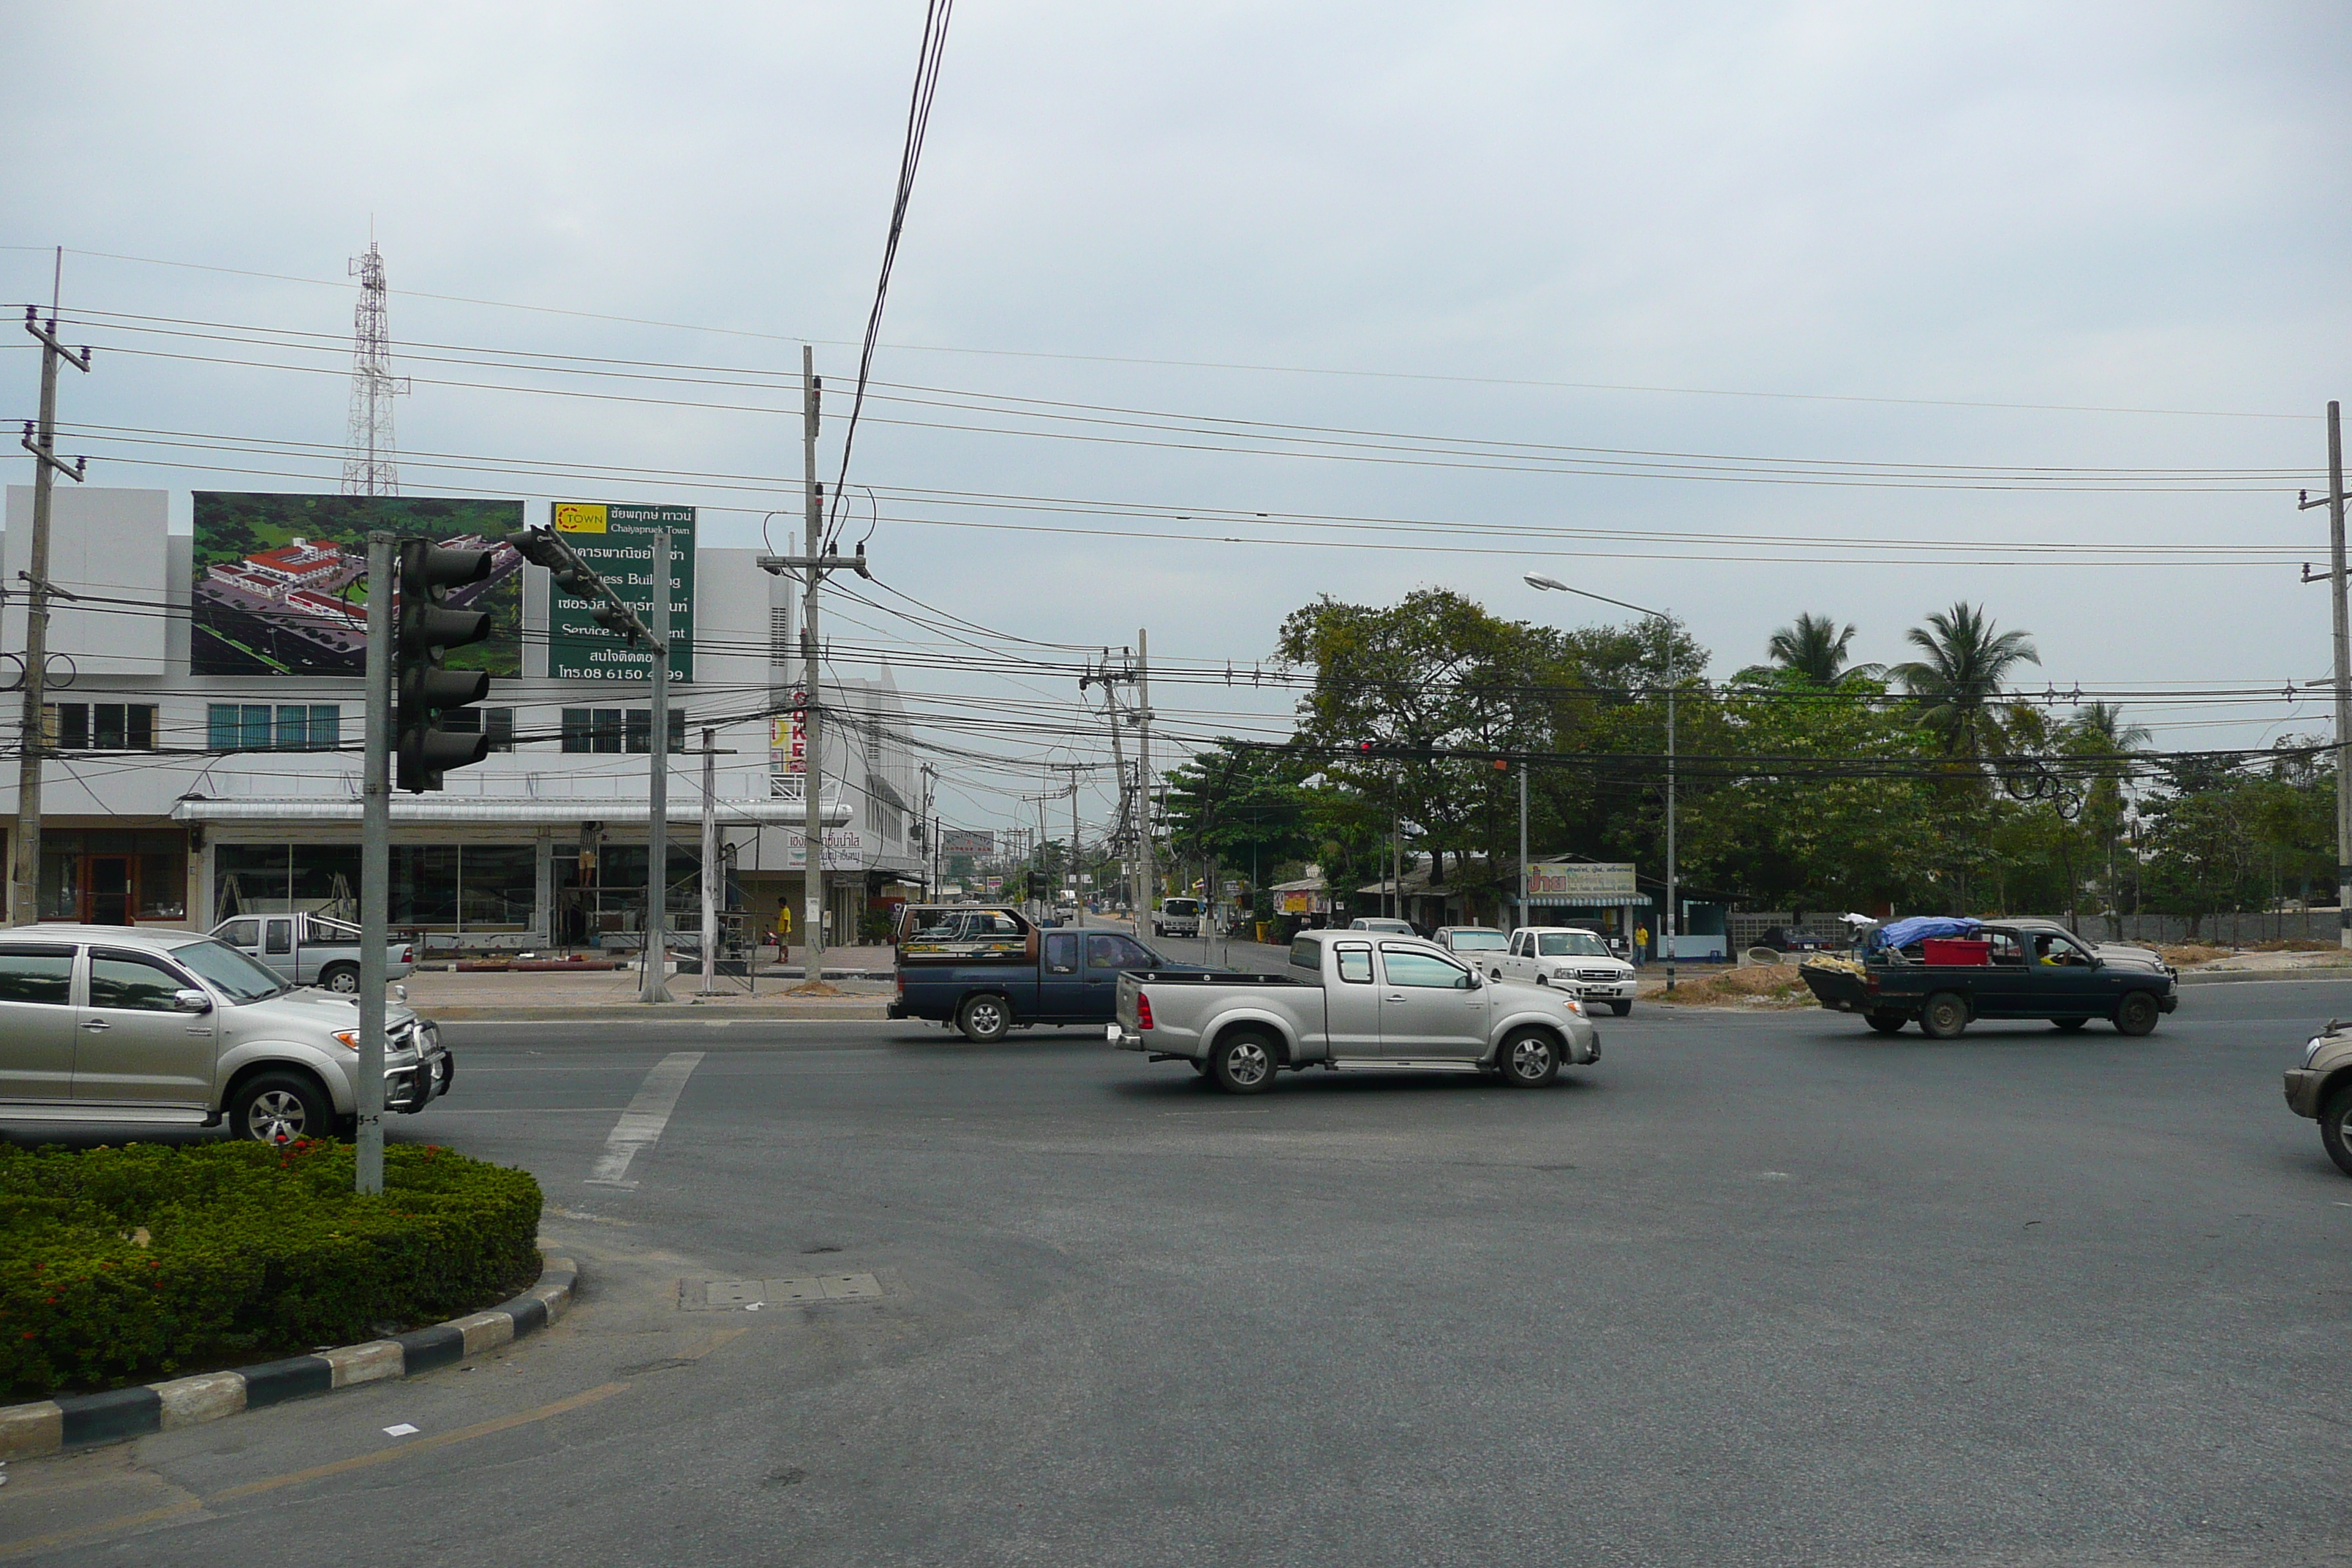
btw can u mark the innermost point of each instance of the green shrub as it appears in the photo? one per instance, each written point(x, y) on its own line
point(250, 1251)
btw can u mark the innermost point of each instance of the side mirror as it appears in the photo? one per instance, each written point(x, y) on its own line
point(1471, 982)
point(191, 1001)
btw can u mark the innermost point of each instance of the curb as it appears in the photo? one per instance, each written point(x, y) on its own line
point(2275, 976)
point(814, 1010)
point(84, 1420)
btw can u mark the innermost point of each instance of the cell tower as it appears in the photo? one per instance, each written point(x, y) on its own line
point(371, 465)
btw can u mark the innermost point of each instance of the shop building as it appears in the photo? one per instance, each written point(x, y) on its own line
point(176, 798)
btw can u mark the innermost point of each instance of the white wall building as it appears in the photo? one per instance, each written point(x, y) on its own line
point(171, 798)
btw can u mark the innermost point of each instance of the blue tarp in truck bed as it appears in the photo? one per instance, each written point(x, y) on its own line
point(1919, 928)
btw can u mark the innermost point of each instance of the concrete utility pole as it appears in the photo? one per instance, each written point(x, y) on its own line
point(376, 859)
point(1519, 902)
point(1143, 846)
point(1077, 893)
point(32, 735)
point(657, 932)
point(2333, 502)
point(811, 566)
point(931, 830)
point(711, 753)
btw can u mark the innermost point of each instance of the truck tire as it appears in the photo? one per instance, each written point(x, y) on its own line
point(984, 1019)
point(1622, 1009)
point(1885, 1020)
point(343, 978)
point(2335, 1126)
point(1943, 1016)
point(1242, 1062)
point(2136, 1014)
point(279, 1107)
point(1528, 1059)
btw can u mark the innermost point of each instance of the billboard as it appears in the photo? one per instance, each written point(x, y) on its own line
point(967, 841)
point(618, 543)
point(279, 583)
point(1576, 881)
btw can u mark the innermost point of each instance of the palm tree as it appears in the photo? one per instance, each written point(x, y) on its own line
point(1815, 647)
point(2101, 731)
point(1960, 678)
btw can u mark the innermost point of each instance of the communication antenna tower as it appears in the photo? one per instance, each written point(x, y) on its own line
point(371, 465)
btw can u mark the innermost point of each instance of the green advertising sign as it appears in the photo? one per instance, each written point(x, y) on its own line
point(617, 543)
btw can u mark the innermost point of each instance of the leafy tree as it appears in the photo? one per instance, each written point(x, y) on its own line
point(1239, 806)
point(1808, 652)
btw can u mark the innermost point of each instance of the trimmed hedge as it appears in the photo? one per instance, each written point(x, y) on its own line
point(120, 1266)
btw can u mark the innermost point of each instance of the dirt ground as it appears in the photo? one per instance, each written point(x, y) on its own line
point(1770, 985)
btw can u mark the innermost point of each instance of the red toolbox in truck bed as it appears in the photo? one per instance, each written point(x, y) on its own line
point(1973, 952)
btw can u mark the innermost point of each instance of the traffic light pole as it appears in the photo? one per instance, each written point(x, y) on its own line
point(375, 861)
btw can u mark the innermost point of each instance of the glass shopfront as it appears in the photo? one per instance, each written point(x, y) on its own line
point(114, 878)
point(434, 887)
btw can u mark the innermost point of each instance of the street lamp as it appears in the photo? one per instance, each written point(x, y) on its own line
point(1553, 585)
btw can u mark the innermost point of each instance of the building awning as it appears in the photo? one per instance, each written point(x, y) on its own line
point(494, 811)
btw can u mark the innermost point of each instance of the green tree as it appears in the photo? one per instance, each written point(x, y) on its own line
point(1811, 651)
point(1959, 681)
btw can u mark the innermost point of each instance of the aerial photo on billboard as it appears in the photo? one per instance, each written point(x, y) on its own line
point(279, 582)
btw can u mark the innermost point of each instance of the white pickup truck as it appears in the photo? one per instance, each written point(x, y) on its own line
point(311, 950)
point(1568, 957)
point(1352, 1001)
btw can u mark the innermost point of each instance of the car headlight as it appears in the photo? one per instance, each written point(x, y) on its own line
point(349, 1039)
point(2312, 1049)
point(1573, 1006)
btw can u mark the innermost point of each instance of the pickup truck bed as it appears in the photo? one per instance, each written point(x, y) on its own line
point(1352, 1001)
point(1051, 977)
point(2016, 969)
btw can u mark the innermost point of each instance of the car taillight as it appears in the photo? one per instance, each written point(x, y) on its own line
point(407, 955)
point(1142, 1011)
point(1870, 984)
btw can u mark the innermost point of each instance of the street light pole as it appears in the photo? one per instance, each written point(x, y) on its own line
point(1553, 585)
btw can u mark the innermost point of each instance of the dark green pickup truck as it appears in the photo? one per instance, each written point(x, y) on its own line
point(1995, 969)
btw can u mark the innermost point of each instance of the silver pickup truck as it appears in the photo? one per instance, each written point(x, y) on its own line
point(1353, 1001)
point(311, 950)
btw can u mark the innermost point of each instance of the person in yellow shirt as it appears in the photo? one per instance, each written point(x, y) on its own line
point(783, 925)
point(1641, 944)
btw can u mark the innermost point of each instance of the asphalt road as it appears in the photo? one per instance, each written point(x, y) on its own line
point(1756, 1288)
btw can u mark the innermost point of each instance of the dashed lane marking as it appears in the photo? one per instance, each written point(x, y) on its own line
point(640, 1126)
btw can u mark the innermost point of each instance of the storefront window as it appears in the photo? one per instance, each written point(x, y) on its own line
point(498, 884)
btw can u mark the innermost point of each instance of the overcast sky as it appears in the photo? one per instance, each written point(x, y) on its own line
point(1476, 222)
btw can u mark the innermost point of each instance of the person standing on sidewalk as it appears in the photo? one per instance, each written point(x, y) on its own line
point(1641, 944)
point(783, 929)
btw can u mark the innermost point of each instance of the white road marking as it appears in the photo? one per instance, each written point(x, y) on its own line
point(640, 1126)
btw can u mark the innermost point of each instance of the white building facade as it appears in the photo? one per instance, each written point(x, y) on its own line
point(176, 799)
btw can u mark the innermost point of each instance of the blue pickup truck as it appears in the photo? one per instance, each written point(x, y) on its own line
point(985, 970)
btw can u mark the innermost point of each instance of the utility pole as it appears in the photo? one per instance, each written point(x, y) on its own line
point(1668, 928)
point(1143, 845)
point(810, 566)
point(2334, 502)
point(710, 755)
point(33, 736)
point(657, 933)
point(1077, 894)
point(931, 829)
point(1519, 903)
point(375, 860)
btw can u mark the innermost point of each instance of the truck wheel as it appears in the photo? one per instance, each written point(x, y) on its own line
point(1530, 1060)
point(342, 977)
point(2136, 1014)
point(2070, 1025)
point(1242, 1064)
point(1885, 1020)
point(1944, 1016)
point(2336, 1127)
point(1622, 1009)
point(279, 1107)
point(984, 1019)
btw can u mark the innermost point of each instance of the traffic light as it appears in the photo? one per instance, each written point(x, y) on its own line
point(1041, 886)
point(422, 688)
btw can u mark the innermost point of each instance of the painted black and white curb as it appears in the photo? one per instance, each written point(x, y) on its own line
point(80, 1420)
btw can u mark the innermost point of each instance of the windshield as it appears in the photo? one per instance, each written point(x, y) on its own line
point(1476, 940)
point(1181, 907)
point(1572, 944)
point(237, 977)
